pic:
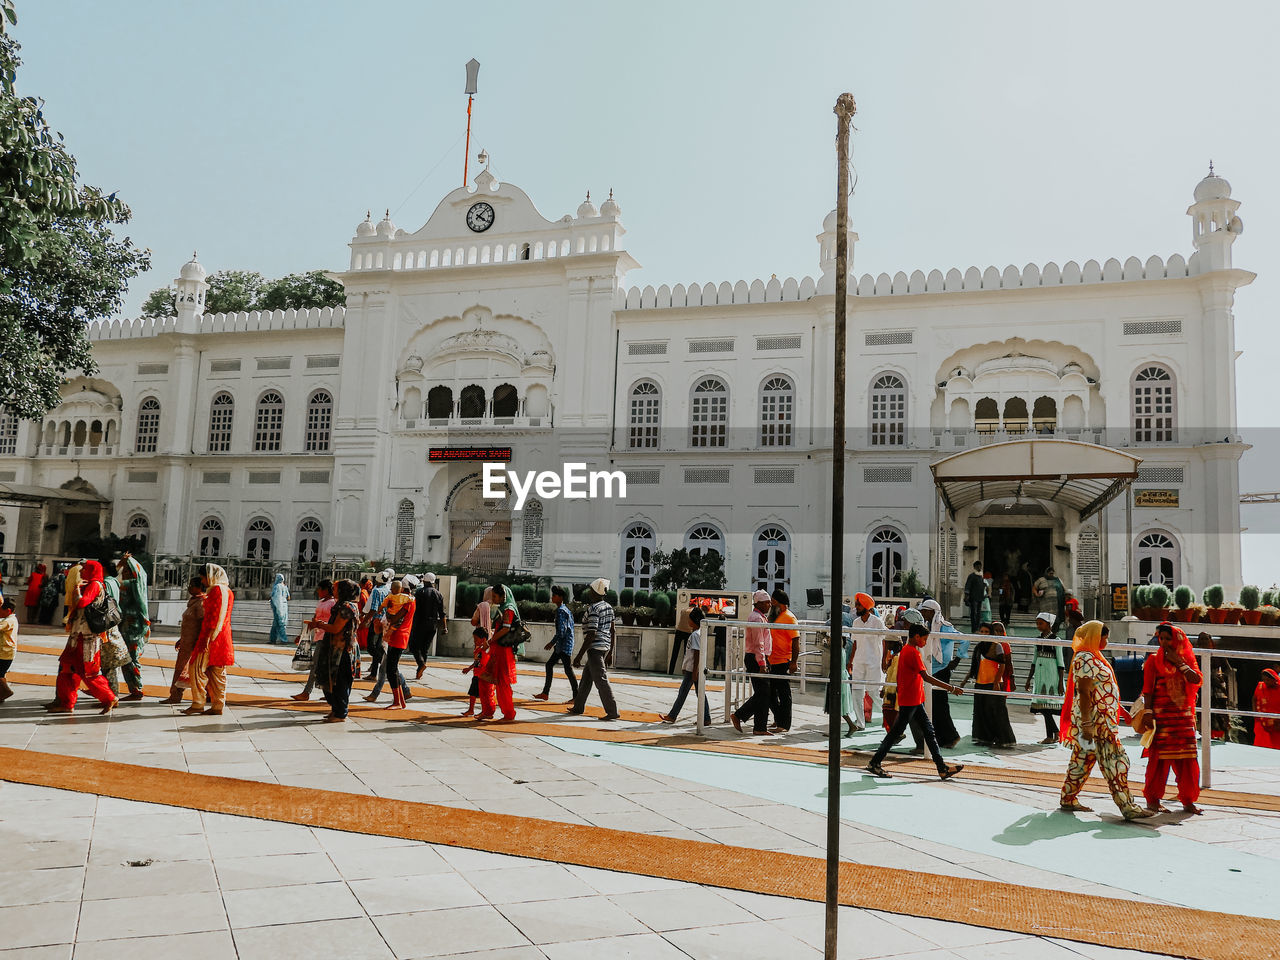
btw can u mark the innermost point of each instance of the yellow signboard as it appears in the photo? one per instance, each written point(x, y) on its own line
point(1155, 498)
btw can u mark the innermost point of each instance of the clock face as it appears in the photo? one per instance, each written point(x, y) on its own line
point(480, 217)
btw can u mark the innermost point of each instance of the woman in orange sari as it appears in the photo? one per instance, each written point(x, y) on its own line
point(1170, 682)
point(79, 662)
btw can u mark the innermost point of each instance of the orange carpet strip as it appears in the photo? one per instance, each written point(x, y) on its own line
point(1109, 922)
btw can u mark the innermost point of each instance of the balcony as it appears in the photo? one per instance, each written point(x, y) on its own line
point(83, 450)
point(987, 433)
point(487, 424)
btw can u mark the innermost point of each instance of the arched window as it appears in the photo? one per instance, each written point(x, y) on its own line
point(221, 414)
point(506, 402)
point(268, 423)
point(986, 416)
point(1154, 410)
point(777, 412)
point(140, 530)
point(704, 539)
point(8, 434)
point(81, 433)
point(709, 413)
point(439, 403)
point(404, 531)
point(211, 537)
point(148, 426)
point(773, 558)
point(637, 556)
point(319, 421)
point(257, 539)
point(309, 531)
point(471, 406)
point(1044, 415)
point(1015, 415)
point(644, 417)
point(888, 411)
point(886, 559)
point(1158, 559)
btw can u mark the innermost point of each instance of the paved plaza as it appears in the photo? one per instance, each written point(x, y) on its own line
point(96, 875)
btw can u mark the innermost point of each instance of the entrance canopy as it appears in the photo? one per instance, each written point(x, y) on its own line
point(29, 495)
point(1082, 476)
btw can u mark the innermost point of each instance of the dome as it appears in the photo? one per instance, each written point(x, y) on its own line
point(365, 227)
point(587, 209)
point(610, 207)
point(191, 270)
point(1212, 187)
point(829, 224)
point(385, 227)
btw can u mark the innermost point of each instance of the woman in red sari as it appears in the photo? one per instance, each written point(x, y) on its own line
point(1266, 699)
point(1170, 682)
point(79, 662)
point(31, 600)
point(502, 659)
point(214, 651)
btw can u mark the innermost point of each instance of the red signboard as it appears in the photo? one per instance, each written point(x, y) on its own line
point(447, 454)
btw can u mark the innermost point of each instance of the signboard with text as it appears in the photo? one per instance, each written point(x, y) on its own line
point(1155, 498)
point(468, 454)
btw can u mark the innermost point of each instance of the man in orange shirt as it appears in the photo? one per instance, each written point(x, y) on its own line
point(783, 658)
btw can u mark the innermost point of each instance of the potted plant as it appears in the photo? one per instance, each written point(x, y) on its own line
point(1183, 596)
point(1141, 601)
point(661, 610)
point(1213, 597)
point(644, 616)
point(1250, 599)
point(626, 598)
point(1270, 615)
point(627, 615)
point(1158, 597)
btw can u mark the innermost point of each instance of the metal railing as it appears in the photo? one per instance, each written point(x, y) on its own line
point(737, 679)
point(250, 579)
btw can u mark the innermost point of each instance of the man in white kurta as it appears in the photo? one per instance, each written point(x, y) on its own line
point(868, 652)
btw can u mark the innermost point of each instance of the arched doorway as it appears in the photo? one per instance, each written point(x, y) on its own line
point(1158, 558)
point(886, 560)
point(479, 529)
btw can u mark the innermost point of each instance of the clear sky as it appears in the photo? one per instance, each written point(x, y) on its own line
point(259, 132)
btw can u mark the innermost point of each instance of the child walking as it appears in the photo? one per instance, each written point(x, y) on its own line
point(8, 645)
point(692, 668)
point(479, 664)
point(911, 680)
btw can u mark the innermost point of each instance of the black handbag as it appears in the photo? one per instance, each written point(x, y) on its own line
point(103, 613)
point(517, 634)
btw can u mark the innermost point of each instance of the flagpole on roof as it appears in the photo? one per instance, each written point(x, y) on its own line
point(473, 71)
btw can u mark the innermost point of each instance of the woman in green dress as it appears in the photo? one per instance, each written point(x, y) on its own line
point(1046, 677)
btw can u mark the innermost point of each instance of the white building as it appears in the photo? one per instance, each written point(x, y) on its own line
point(309, 434)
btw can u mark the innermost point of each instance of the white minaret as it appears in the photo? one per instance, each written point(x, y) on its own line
point(1214, 224)
point(827, 255)
point(190, 288)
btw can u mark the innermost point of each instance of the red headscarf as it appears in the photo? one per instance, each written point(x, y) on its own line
point(1181, 690)
point(91, 576)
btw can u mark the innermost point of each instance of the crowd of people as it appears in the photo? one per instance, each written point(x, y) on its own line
point(376, 621)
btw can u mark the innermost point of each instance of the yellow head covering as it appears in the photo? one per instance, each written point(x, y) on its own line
point(1088, 637)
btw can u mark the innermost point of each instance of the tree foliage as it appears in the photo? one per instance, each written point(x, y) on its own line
point(60, 263)
point(239, 291)
point(679, 568)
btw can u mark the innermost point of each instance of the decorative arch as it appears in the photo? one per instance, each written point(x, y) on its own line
point(439, 403)
point(222, 411)
point(268, 423)
point(886, 560)
point(259, 535)
point(319, 422)
point(888, 410)
point(777, 411)
point(139, 528)
point(1159, 558)
point(703, 538)
point(308, 540)
point(1154, 399)
point(771, 556)
point(211, 533)
point(709, 413)
point(638, 546)
point(147, 436)
point(644, 415)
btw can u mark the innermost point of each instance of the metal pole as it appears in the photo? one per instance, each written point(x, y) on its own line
point(1206, 718)
point(466, 151)
point(1128, 551)
point(845, 108)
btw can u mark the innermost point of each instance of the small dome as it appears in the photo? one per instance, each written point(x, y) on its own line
point(829, 224)
point(192, 270)
point(385, 227)
point(587, 209)
point(1212, 187)
point(610, 207)
point(365, 227)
